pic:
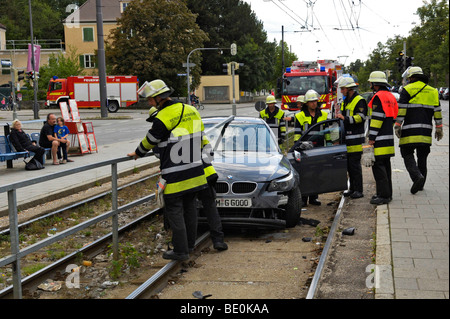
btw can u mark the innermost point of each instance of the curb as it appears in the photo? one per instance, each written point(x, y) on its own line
point(383, 279)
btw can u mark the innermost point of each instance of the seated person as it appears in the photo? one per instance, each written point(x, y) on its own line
point(48, 140)
point(61, 133)
point(22, 143)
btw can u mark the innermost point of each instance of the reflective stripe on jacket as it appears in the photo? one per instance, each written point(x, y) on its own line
point(355, 115)
point(179, 143)
point(381, 126)
point(419, 103)
point(275, 121)
point(303, 121)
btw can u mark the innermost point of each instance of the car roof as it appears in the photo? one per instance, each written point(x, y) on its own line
point(239, 119)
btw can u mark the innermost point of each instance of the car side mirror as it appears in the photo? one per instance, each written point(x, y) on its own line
point(297, 156)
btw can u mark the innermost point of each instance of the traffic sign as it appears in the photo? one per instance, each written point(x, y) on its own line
point(191, 65)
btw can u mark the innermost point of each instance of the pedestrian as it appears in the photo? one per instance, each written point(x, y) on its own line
point(384, 109)
point(418, 105)
point(3, 104)
point(353, 113)
point(177, 130)
point(309, 116)
point(22, 143)
point(274, 117)
point(61, 132)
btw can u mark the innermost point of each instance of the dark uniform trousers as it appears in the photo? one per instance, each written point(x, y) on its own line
point(208, 199)
point(382, 173)
point(415, 169)
point(355, 171)
point(181, 212)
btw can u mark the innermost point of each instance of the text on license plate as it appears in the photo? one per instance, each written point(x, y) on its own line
point(234, 202)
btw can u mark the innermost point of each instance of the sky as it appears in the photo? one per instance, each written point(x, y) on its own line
point(361, 25)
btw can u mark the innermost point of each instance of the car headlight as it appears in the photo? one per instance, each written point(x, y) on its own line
point(282, 184)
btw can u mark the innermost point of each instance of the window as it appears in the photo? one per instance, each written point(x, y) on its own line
point(6, 70)
point(87, 61)
point(123, 6)
point(88, 34)
point(301, 84)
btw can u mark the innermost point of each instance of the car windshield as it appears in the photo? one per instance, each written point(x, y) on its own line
point(298, 85)
point(241, 137)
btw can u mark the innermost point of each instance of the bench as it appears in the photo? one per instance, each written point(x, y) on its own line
point(7, 153)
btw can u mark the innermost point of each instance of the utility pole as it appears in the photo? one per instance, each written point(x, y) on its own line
point(33, 64)
point(233, 70)
point(101, 61)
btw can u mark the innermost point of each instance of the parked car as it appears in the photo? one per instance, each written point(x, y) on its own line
point(445, 94)
point(441, 91)
point(260, 187)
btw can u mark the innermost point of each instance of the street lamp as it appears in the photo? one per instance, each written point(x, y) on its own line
point(233, 49)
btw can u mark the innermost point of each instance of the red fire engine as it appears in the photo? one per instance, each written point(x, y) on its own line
point(305, 75)
point(121, 90)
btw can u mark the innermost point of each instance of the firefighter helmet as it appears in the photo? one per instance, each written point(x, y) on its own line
point(155, 88)
point(346, 82)
point(311, 95)
point(271, 99)
point(378, 78)
point(301, 98)
point(413, 70)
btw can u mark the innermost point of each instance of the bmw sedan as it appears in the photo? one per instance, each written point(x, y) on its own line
point(258, 186)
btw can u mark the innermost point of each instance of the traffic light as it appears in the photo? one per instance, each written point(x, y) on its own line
point(400, 63)
point(30, 75)
point(18, 75)
point(227, 68)
point(409, 60)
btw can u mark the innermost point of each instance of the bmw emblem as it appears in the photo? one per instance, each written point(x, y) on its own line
point(230, 177)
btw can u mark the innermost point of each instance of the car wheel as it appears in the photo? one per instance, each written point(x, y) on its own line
point(293, 207)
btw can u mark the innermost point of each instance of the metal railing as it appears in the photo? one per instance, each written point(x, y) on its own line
point(17, 253)
point(44, 43)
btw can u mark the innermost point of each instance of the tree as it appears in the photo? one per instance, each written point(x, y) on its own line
point(233, 21)
point(153, 40)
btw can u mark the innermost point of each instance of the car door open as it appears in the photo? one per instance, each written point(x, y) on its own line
point(320, 158)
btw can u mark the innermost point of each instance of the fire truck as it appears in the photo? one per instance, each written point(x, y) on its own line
point(121, 91)
point(318, 75)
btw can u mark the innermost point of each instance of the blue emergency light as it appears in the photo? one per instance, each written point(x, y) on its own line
point(55, 78)
point(322, 69)
point(288, 70)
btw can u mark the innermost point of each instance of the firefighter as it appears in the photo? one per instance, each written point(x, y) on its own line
point(384, 109)
point(309, 115)
point(300, 102)
point(353, 113)
point(273, 116)
point(418, 104)
point(175, 130)
point(208, 198)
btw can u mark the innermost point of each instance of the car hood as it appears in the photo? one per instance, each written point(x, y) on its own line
point(250, 166)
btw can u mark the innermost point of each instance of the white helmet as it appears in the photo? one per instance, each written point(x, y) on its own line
point(347, 82)
point(311, 95)
point(378, 78)
point(154, 88)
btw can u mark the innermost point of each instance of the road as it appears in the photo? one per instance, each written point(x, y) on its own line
point(109, 131)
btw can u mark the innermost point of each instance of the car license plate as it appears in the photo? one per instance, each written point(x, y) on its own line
point(234, 202)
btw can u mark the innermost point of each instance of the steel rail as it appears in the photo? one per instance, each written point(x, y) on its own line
point(90, 250)
point(324, 256)
point(148, 287)
point(82, 202)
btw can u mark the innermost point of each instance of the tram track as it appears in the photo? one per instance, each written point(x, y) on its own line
point(156, 283)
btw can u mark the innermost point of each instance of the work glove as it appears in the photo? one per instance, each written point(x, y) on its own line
point(439, 134)
point(398, 130)
point(368, 156)
point(307, 145)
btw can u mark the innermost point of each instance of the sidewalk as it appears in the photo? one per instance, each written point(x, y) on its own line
point(55, 188)
point(419, 230)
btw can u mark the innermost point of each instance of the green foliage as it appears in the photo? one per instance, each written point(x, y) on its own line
point(47, 18)
point(427, 43)
point(153, 40)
